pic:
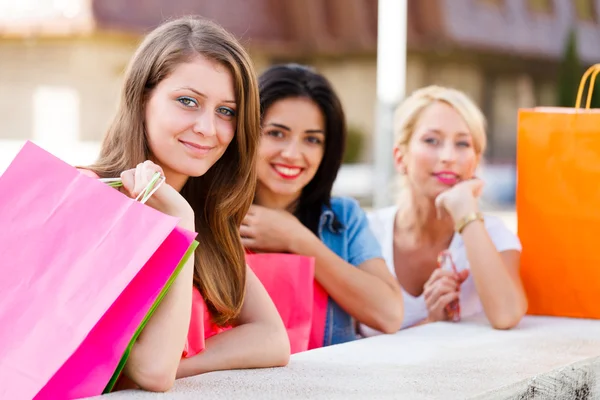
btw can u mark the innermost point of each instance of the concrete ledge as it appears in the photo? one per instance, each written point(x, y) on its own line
point(544, 358)
point(578, 381)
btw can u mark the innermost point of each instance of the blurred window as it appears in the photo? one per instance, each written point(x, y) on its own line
point(56, 114)
point(496, 3)
point(541, 6)
point(585, 10)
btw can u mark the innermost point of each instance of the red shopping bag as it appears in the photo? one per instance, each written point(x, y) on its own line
point(82, 269)
point(301, 301)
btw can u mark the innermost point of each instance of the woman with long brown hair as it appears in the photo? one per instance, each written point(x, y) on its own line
point(190, 110)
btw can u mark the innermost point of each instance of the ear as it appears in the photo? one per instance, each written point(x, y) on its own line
point(399, 160)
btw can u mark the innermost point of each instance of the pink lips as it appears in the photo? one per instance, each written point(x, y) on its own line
point(447, 178)
point(196, 149)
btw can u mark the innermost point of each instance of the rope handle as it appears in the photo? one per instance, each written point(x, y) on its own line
point(594, 70)
point(149, 190)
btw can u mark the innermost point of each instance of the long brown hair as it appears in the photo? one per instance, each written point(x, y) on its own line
point(221, 197)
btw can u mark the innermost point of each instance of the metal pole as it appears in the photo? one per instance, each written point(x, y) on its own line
point(391, 83)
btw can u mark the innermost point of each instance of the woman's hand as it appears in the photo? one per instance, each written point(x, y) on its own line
point(442, 288)
point(269, 230)
point(165, 199)
point(460, 200)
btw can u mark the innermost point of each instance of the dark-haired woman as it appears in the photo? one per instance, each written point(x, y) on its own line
point(300, 154)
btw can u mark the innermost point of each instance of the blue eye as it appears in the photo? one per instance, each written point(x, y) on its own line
point(433, 141)
point(314, 140)
point(187, 101)
point(226, 111)
point(464, 144)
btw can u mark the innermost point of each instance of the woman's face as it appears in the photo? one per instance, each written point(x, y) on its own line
point(440, 152)
point(291, 148)
point(191, 119)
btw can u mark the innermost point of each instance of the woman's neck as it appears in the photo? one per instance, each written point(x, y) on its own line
point(175, 180)
point(417, 216)
point(266, 198)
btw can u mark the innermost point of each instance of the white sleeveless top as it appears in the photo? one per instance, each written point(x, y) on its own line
point(382, 224)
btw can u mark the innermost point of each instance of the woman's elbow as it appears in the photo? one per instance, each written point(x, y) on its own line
point(389, 319)
point(509, 319)
point(280, 347)
point(504, 324)
point(282, 358)
point(391, 322)
point(153, 379)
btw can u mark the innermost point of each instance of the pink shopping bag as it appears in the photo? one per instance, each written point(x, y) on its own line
point(301, 301)
point(82, 269)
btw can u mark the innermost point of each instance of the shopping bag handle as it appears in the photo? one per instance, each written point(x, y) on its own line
point(151, 187)
point(593, 70)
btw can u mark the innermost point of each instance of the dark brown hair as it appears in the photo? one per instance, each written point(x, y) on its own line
point(284, 81)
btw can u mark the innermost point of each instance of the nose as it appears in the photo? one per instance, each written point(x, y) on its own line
point(205, 124)
point(448, 152)
point(291, 150)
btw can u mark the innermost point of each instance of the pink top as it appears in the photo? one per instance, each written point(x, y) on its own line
point(201, 326)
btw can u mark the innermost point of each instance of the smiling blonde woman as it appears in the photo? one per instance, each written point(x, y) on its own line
point(440, 138)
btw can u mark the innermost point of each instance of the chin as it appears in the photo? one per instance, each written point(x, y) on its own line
point(193, 172)
point(198, 173)
point(285, 190)
point(200, 168)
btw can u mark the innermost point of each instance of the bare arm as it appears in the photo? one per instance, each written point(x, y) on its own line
point(496, 274)
point(496, 277)
point(154, 358)
point(369, 293)
point(258, 340)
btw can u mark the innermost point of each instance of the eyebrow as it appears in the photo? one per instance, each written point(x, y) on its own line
point(287, 128)
point(439, 132)
point(203, 95)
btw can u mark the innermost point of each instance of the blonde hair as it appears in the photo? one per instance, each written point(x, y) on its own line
point(408, 113)
point(221, 197)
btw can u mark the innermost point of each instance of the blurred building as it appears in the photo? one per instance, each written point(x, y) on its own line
point(61, 61)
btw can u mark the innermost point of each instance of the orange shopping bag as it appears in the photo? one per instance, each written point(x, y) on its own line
point(558, 207)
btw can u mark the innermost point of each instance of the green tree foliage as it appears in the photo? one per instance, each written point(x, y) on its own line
point(569, 76)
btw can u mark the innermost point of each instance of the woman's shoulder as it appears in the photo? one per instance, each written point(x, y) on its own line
point(344, 203)
point(88, 172)
point(382, 215)
point(494, 223)
point(346, 209)
point(381, 222)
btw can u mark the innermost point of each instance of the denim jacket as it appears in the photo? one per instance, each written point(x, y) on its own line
point(354, 243)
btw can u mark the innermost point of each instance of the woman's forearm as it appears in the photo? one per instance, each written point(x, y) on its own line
point(368, 298)
point(254, 345)
point(155, 356)
point(500, 291)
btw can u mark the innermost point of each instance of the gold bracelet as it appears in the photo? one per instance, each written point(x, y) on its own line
point(467, 219)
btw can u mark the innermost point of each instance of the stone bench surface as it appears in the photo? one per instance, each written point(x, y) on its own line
point(543, 357)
